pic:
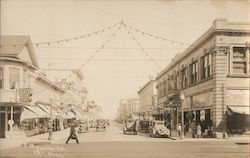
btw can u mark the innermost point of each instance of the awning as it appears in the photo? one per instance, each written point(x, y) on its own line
point(37, 110)
point(27, 113)
point(77, 114)
point(238, 109)
point(43, 107)
point(71, 114)
point(47, 110)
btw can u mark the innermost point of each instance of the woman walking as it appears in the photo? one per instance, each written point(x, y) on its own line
point(72, 134)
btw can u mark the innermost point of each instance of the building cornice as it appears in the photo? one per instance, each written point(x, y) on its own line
point(216, 29)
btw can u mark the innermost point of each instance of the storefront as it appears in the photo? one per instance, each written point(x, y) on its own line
point(8, 111)
point(238, 119)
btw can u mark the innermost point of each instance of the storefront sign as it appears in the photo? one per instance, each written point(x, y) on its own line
point(25, 95)
point(202, 100)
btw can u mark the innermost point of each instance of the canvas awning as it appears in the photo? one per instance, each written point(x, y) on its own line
point(238, 109)
point(71, 114)
point(46, 109)
point(37, 110)
point(77, 114)
point(32, 112)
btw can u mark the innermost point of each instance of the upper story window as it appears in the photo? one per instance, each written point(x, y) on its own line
point(193, 72)
point(164, 88)
point(14, 75)
point(1, 78)
point(240, 60)
point(206, 66)
point(184, 77)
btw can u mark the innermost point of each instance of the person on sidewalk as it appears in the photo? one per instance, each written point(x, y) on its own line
point(179, 130)
point(193, 128)
point(72, 134)
point(198, 131)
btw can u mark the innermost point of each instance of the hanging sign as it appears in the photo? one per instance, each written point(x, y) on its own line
point(25, 95)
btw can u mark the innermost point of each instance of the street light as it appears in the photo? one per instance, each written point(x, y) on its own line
point(182, 97)
point(50, 120)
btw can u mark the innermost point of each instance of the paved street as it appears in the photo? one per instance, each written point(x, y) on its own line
point(113, 143)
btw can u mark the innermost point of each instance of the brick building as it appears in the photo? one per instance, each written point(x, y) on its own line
point(213, 73)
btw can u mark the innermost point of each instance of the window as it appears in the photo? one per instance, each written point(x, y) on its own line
point(184, 75)
point(1, 78)
point(206, 66)
point(193, 72)
point(175, 81)
point(240, 60)
point(14, 77)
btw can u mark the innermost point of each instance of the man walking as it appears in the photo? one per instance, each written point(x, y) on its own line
point(72, 134)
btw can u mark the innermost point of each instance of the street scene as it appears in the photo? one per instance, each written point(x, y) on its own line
point(113, 143)
point(129, 79)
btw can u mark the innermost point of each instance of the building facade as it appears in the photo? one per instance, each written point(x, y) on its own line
point(28, 98)
point(147, 99)
point(213, 74)
point(128, 108)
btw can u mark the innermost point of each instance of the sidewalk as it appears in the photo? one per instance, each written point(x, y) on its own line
point(37, 139)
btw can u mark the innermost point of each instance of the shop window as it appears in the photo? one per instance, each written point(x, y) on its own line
point(193, 72)
point(240, 60)
point(14, 75)
point(184, 76)
point(206, 66)
point(1, 78)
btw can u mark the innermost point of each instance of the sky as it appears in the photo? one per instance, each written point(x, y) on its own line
point(118, 70)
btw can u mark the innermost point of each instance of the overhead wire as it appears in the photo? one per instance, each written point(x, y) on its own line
point(141, 47)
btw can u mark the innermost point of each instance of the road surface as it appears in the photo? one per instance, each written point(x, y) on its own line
point(114, 144)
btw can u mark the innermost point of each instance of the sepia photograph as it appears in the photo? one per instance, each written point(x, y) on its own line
point(124, 78)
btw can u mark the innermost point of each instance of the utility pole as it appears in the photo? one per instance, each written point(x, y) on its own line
point(182, 97)
point(50, 120)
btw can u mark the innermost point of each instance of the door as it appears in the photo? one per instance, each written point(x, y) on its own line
point(2, 125)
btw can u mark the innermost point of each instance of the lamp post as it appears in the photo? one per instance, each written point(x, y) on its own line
point(182, 97)
point(50, 119)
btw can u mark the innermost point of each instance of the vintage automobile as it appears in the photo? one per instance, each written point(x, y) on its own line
point(143, 126)
point(158, 129)
point(101, 125)
point(83, 127)
point(130, 126)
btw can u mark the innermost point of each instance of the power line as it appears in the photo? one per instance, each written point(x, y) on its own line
point(113, 48)
point(156, 36)
point(107, 59)
point(140, 46)
point(95, 33)
point(101, 47)
point(67, 39)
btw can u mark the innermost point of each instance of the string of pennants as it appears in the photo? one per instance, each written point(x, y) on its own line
point(98, 32)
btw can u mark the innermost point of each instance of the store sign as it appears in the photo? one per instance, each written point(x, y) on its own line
point(11, 122)
point(25, 95)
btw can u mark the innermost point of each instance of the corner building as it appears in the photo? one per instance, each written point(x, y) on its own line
point(213, 74)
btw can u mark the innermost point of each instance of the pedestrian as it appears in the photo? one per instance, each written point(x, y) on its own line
point(179, 129)
point(198, 131)
point(72, 134)
point(193, 128)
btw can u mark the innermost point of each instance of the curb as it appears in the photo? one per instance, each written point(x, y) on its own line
point(35, 143)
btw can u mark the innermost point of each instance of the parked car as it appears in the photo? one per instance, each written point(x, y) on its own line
point(83, 127)
point(143, 126)
point(129, 126)
point(158, 129)
point(101, 125)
